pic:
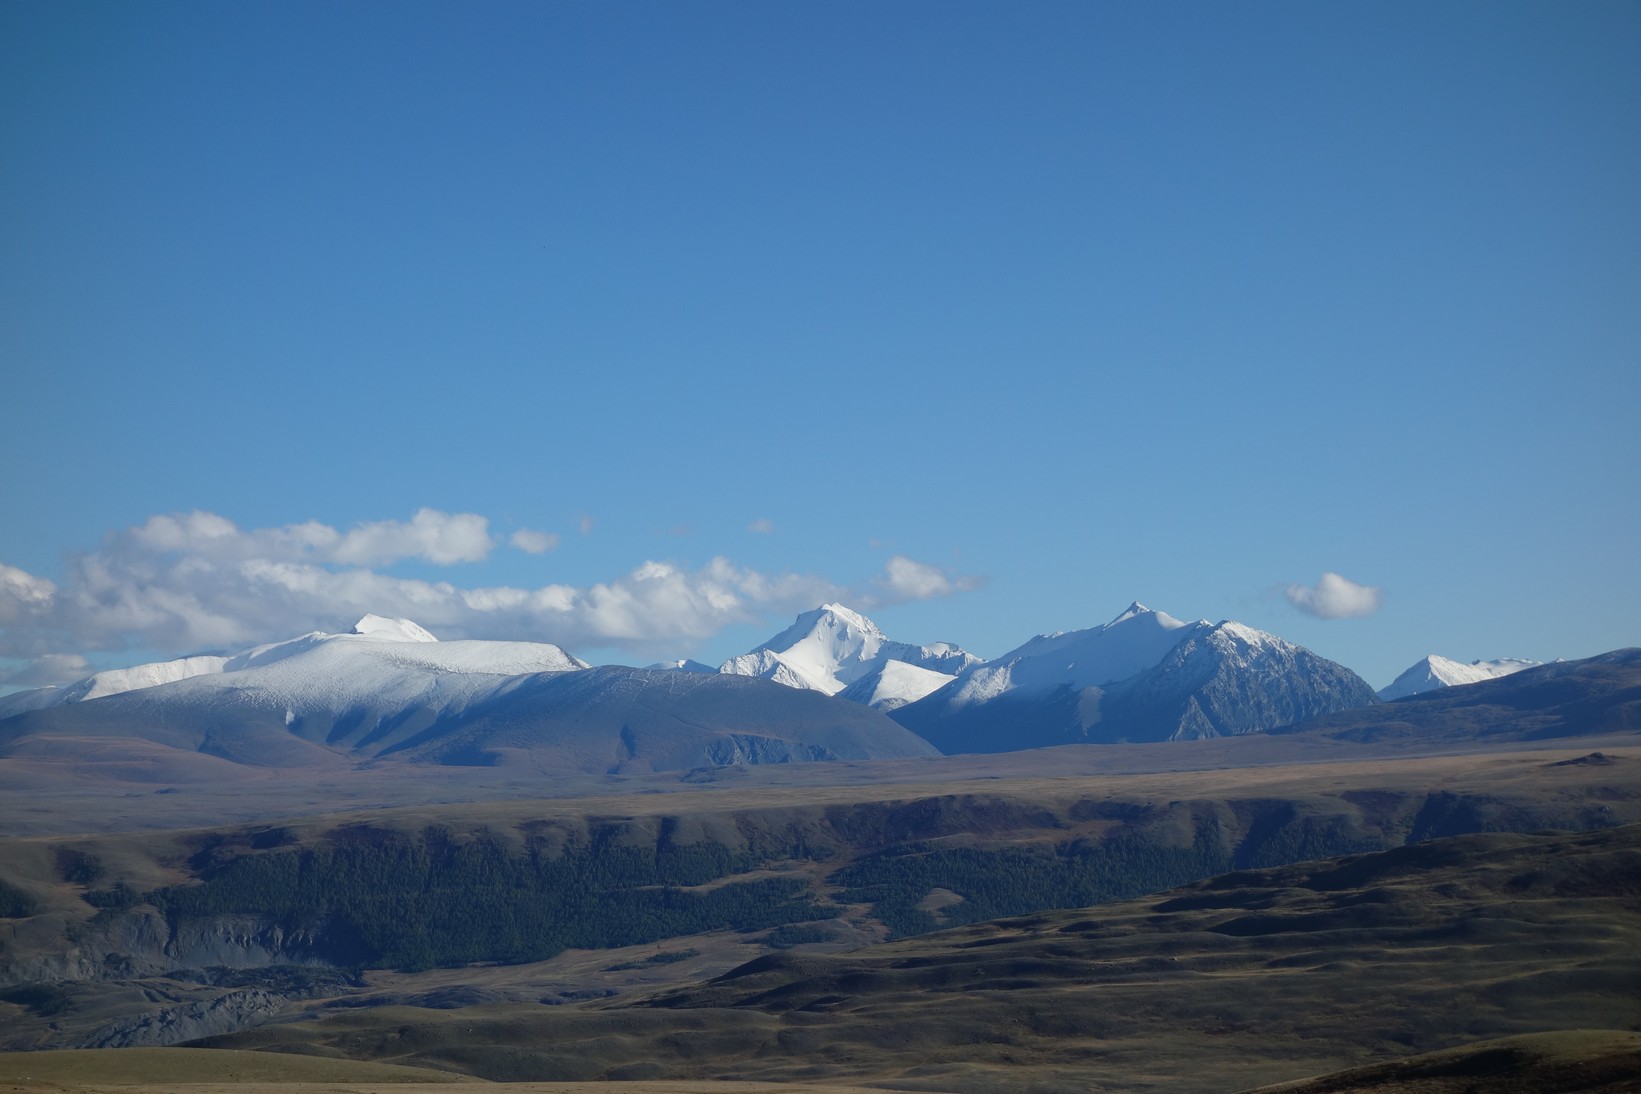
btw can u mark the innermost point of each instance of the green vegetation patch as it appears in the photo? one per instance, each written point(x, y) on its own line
point(79, 867)
point(1005, 881)
point(44, 1000)
point(666, 957)
point(785, 937)
point(375, 898)
point(15, 903)
point(118, 899)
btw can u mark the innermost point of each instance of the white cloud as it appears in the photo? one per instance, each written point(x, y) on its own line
point(533, 542)
point(763, 526)
point(1335, 597)
point(441, 538)
point(586, 525)
point(22, 594)
point(430, 535)
point(198, 581)
point(908, 579)
point(187, 582)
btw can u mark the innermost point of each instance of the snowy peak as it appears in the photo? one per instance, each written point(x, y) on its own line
point(1130, 612)
point(395, 630)
point(832, 647)
point(1230, 635)
point(1134, 641)
point(838, 616)
point(1144, 676)
point(831, 634)
point(1442, 672)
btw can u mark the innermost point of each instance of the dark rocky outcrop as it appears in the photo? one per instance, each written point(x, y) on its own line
point(1222, 681)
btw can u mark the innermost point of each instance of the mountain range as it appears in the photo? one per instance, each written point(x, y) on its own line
point(1441, 672)
point(831, 686)
point(1144, 676)
point(1593, 695)
point(389, 689)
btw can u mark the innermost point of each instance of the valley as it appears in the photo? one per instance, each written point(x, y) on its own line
point(1254, 977)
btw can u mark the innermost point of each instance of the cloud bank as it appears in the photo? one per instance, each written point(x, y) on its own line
point(196, 581)
point(1335, 597)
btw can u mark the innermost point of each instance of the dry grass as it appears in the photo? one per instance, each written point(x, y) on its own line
point(1254, 978)
point(59, 794)
point(218, 1071)
point(1590, 1061)
point(152, 1068)
point(1165, 1003)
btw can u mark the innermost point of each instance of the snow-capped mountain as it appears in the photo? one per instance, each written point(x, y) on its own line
point(832, 647)
point(1229, 680)
point(111, 682)
point(389, 689)
point(1441, 672)
point(381, 660)
point(1144, 676)
point(1135, 640)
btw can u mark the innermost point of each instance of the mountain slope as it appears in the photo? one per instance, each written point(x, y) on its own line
point(348, 671)
point(391, 690)
point(1227, 681)
point(1592, 696)
point(110, 682)
point(1135, 640)
point(1441, 672)
point(893, 684)
point(831, 647)
point(303, 700)
point(1144, 676)
point(623, 720)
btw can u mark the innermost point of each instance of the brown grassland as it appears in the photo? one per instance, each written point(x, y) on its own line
point(1388, 964)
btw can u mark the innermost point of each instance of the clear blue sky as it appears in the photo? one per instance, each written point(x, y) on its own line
point(1060, 305)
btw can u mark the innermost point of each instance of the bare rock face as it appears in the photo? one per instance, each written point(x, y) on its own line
point(140, 943)
point(226, 1013)
point(1233, 680)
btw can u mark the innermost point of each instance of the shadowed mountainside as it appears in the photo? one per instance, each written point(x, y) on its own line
point(1215, 681)
point(1597, 695)
point(591, 721)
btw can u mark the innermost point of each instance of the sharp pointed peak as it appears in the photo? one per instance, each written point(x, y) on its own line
point(1134, 609)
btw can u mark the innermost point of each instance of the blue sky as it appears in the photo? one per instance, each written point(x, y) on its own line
point(987, 318)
